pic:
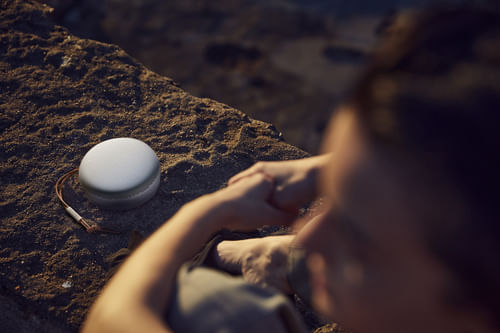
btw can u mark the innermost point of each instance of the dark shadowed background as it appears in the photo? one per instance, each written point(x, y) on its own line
point(287, 62)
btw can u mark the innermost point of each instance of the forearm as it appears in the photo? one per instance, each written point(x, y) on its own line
point(137, 297)
point(313, 166)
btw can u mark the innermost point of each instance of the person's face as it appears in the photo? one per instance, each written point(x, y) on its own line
point(370, 269)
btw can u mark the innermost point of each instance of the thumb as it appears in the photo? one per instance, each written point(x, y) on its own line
point(256, 168)
point(244, 174)
point(259, 185)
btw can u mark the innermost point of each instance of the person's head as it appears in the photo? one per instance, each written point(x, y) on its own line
point(411, 238)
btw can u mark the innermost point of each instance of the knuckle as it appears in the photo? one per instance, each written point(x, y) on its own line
point(259, 166)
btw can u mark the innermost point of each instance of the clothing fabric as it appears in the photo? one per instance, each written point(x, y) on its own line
point(206, 300)
point(209, 300)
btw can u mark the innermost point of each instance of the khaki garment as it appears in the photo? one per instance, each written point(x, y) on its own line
point(206, 300)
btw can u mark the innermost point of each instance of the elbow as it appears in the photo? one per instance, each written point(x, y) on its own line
point(106, 317)
point(97, 321)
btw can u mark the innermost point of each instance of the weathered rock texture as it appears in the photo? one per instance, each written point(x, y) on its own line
point(59, 96)
point(271, 59)
point(288, 62)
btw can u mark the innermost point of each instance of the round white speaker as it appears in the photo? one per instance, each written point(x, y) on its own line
point(120, 173)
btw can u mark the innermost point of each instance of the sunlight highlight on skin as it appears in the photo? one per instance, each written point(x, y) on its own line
point(339, 125)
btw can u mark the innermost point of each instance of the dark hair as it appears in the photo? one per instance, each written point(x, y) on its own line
point(432, 91)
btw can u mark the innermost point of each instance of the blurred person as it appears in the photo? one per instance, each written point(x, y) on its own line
point(407, 239)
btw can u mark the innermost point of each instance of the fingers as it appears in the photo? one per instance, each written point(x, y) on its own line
point(294, 185)
point(284, 201)
point(253, 193)
point(263, 187)
point(256, 184)
point(241, 175)
point(273, 216)
point(257, 167)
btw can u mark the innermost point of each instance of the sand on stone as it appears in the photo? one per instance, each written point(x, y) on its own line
point(59, 96)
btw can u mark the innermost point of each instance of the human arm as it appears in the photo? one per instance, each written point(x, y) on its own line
point(263, 261)
point(295, 180)
point(136, 298)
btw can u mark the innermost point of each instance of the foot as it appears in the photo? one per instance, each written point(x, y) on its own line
point(261, 261)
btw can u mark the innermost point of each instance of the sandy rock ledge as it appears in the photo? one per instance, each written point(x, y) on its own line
point(59, 96)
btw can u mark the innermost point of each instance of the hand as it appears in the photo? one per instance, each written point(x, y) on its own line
point(295, 181)
point(244, 205)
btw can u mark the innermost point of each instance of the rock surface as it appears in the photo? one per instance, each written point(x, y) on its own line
point(59, 96)
point(287, 62)
point(271, 59)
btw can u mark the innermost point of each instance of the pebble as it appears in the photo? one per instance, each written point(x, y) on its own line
point(66, 284)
